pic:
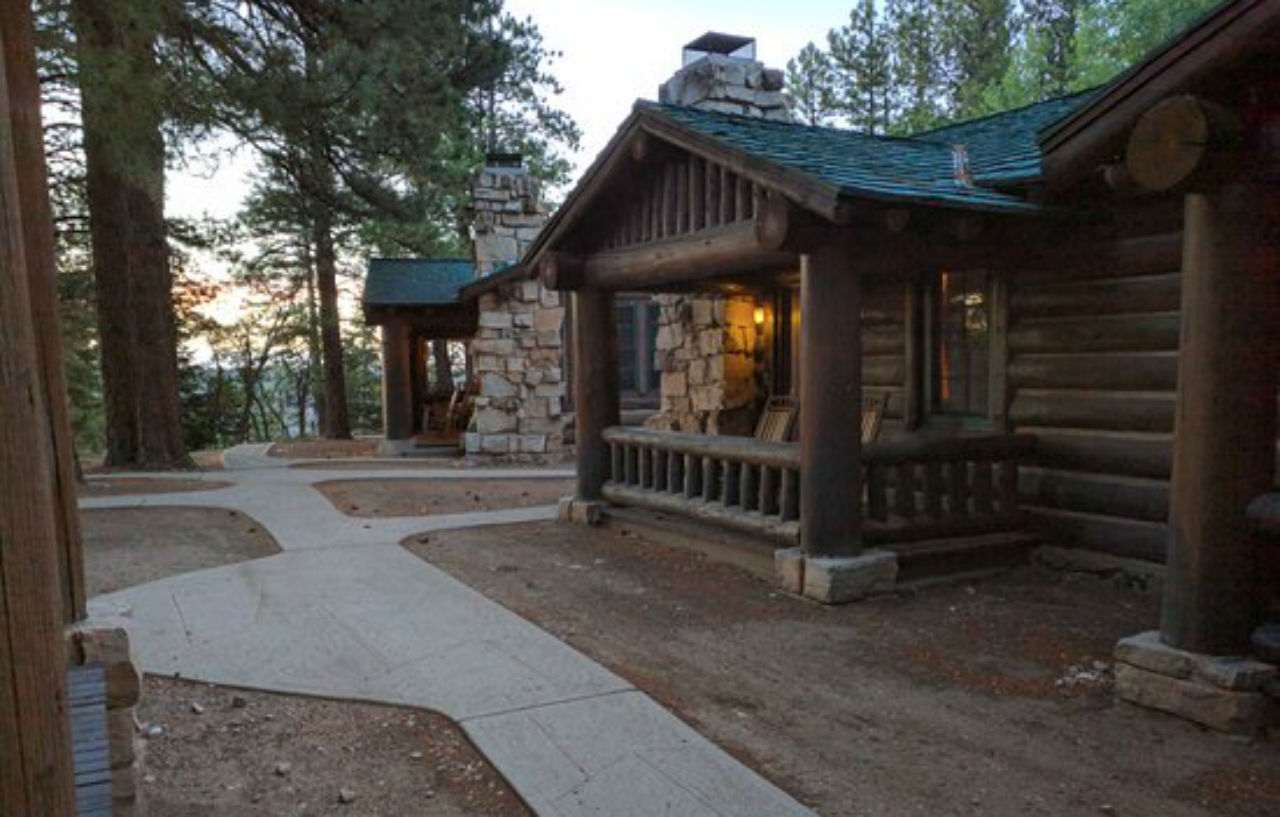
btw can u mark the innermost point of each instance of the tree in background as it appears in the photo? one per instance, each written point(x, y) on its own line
point(810, 84)
point(123, 92)
point(957, 59)
point(860, 55)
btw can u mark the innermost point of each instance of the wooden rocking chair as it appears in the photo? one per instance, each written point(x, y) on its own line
point(873, 408)
point(778, 419)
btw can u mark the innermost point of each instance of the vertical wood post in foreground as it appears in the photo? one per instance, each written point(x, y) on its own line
point(830, 403)
point(1225, 431)
point(397, 380)
point(595, 386)
point(35, 742)
point(23, 91)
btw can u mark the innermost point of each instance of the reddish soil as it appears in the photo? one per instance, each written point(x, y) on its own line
point(422, 497)
point(207, 460)
point(227, 759)
point(128, 546)
point(992, 697)
point(123, 486)
point(323, 449)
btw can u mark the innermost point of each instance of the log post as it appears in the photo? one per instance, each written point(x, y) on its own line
point(595, 387)
point(397, 380)
point(1224, 440)
point(830, 403)
point(417, 381)
point(36, 775)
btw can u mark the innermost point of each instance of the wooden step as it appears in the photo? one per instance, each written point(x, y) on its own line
point(933, 559)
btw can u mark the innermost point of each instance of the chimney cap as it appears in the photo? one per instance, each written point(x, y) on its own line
point(714, 42)
point(503, 159)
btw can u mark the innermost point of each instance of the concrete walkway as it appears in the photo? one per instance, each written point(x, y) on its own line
point(344, 611)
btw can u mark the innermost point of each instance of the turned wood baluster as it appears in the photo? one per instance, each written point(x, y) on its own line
point(958, 488)
point(983, 489)
point(768, 491)
point(1009, 486)
point(904, 495)
point(731, 484)
point(877, 500)
point(675, 473)
point(630, 465)
point(790, 495)
point(645, 468)
point(710, 467)
point(933, 489)
point(616, 473)
point(692, 476)
point(748, 490)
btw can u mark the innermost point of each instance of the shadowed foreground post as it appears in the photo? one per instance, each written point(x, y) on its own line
point(35, 745)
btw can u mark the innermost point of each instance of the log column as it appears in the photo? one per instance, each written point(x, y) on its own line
point(397, 380)
point(417, 381)
point(830, 404)
point(1224, 443)
point(595, 386)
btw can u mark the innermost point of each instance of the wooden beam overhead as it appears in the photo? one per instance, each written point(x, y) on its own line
point(728, 250)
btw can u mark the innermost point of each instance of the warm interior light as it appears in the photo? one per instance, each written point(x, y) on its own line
point(758, 316)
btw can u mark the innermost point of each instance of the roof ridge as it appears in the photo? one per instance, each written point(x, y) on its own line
point(882, 137)
point(927, 135)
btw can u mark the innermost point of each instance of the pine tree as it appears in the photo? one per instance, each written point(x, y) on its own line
point(917, 79)
point(860, 60)
point(809, 85)
point(976, 41)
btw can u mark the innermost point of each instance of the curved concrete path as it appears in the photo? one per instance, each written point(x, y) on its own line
point(344, 611)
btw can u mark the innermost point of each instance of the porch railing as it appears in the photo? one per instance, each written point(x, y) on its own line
point(913, 489)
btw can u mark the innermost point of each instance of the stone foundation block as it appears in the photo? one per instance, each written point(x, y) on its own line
point(1220, 709)
point(580, 511)
point(837, 580)
point(1146, 651)
point(788, 563)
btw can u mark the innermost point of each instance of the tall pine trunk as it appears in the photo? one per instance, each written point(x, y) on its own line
point(337, 422)
point(314, 373)
point(444, 369)
point(122, 95)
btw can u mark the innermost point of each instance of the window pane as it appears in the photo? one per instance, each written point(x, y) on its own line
point(960, 343)
point(627, 346)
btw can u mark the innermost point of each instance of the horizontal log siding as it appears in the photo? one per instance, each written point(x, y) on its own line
point(1093, 363)
point(884, 346)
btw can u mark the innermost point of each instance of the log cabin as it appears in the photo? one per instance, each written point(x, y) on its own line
point(1072, 309)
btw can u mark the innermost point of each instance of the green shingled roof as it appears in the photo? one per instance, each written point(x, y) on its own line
point(1003, 150)
point(416, 281)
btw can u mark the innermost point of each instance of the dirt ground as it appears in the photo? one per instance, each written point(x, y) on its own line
point(992, 698)
point(128, 546)
point(251, 753)
point(121, 486)
point(323, 449)
point(422, 497)
point(205, 460)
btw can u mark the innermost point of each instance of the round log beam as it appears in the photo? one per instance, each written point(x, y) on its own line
point(560, 271)
point(782, 226)
point(1173, 142)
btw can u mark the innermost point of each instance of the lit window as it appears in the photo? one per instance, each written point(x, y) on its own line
point(961, 348)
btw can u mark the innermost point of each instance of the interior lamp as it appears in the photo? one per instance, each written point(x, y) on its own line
point(757, 315)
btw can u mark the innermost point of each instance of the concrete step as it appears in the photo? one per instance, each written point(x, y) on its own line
point(934, 560)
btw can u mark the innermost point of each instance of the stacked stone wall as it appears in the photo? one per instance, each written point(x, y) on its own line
point(110, 648)
point(518, 360)
point(508, 217)
point(710, 354)
point(728, 85)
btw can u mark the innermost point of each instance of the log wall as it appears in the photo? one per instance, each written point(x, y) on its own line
point(1093, 358)
point(884, 346)
point(1092, 372)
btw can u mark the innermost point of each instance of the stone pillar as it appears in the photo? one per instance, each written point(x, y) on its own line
point(397, 387)
point(1225, 431)
point(595, 387)
point(109, 646)
point(830, 404)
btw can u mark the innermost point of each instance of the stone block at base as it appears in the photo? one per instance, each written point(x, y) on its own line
point(394, 448)
point(1221, 692)
point(836, 580)
point(580, 511)
point(789, 565)
point(1224, 710)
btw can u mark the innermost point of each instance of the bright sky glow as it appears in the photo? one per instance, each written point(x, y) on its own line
point(614, 52)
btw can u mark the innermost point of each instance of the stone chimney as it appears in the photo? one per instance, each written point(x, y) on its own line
point(508, 214)
point(720, 72)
